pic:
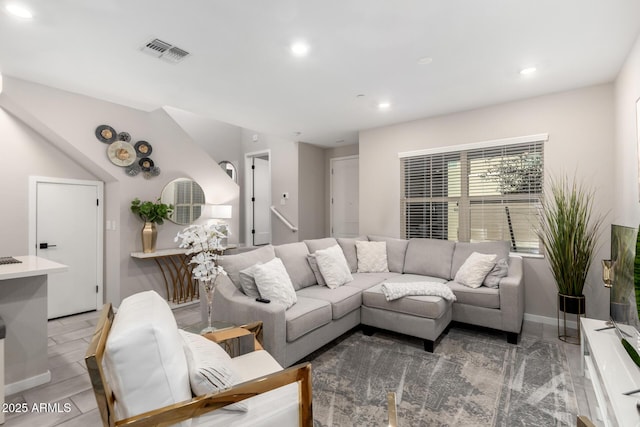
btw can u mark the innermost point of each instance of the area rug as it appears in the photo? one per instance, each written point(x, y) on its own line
point(473, 378)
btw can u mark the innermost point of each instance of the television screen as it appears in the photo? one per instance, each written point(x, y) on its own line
point(623, 309)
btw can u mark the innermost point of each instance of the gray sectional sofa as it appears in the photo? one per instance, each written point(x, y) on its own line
point(322, 314)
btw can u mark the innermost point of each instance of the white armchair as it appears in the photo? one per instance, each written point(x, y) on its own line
point(140, 377)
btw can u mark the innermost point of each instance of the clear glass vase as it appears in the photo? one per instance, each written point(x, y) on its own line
point(208, 289)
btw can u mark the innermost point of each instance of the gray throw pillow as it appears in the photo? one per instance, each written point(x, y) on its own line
point(248, 281)
point(500, 270)
point(313, 263)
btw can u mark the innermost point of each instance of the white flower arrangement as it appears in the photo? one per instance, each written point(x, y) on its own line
point(205, 242)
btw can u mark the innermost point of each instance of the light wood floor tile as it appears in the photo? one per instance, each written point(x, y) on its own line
point(85, 401)
point(47, 418)
point(69, 338)
point(63, 389)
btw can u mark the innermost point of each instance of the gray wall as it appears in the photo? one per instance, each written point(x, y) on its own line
point(311, 188)
point(67, 121)
point(222, 141)
point(580, 125)
point(26, 153)
point(332, 153)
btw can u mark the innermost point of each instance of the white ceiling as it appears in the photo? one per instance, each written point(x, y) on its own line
point(240, 70)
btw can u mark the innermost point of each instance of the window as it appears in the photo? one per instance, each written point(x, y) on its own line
point(479, 192)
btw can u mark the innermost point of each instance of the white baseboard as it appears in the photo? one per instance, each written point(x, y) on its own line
point(549, 320)
point(27, 383)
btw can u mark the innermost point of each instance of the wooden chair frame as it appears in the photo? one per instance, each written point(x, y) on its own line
point(197, 406)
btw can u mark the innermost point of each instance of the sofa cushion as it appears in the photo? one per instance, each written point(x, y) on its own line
point(372, 257)
point(475, 269)
point(144, 356)
point(343, 300)
point(274, 283)
point(317, 244)
point(396, 250)
point(480, 297)
point(464, 249)
point(232, 264)
point(333, 266)
point(429, 307)
point(305, 316)
point(348, 246)
point(367, 280)
point(429, 257)
point(294, 258)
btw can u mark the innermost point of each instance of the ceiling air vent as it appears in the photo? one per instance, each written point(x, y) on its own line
point(165, 51)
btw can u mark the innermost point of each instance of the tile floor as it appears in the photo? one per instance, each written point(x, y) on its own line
point(68, 341)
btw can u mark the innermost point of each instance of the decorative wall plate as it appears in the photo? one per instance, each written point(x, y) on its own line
point(124, 136)
point(106, 133)
point(145, 164)
point(143, 149)
point(133, 169)
point(121, 153)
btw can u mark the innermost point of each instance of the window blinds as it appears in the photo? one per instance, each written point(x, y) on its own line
point(474, 195)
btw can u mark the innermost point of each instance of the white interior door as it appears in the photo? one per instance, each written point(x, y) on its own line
point(344, 197)
point(261, 201)
point(68, 219)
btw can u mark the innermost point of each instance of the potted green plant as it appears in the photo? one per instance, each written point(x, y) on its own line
point(569, 232)
point(151, 213)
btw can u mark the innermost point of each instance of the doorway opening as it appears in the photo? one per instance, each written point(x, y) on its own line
point(258, 198)
point(344, 196)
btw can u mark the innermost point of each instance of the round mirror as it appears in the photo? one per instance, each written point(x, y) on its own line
point(187, 198)
point(230, 169)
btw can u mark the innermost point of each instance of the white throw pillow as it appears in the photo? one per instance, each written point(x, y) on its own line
point(313, 263)
point(333, 266)
point(210, 368)
point(372, 257)
point(248, 281)
point(274, 282)
point(475, 269)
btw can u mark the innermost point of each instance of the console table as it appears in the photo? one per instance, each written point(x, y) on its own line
point(612, 372)
point(176, 272)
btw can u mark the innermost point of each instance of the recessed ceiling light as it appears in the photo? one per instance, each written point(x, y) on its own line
point(528, 71)
point(19, 11)
point(300, 49)
point(426, 60)
point(384, 105)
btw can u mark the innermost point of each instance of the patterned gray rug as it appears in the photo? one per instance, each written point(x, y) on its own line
point(474, 378)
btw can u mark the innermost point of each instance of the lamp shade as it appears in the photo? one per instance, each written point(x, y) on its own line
point(218, 211)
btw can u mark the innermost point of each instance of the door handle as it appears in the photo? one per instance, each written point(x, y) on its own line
point(46, 246)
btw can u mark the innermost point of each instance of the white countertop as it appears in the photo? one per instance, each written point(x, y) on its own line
point(30, 266)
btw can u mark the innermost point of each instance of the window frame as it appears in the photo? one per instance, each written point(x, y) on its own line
point(464, 200)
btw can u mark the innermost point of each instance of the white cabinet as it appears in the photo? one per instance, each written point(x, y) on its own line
point(612, 372)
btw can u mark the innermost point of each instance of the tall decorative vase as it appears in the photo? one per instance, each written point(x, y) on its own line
point(208, 288)
point(149, 237)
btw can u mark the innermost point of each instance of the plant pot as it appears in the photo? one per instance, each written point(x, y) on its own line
point(574, 305)
point(571, 304)
point(149, 237)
